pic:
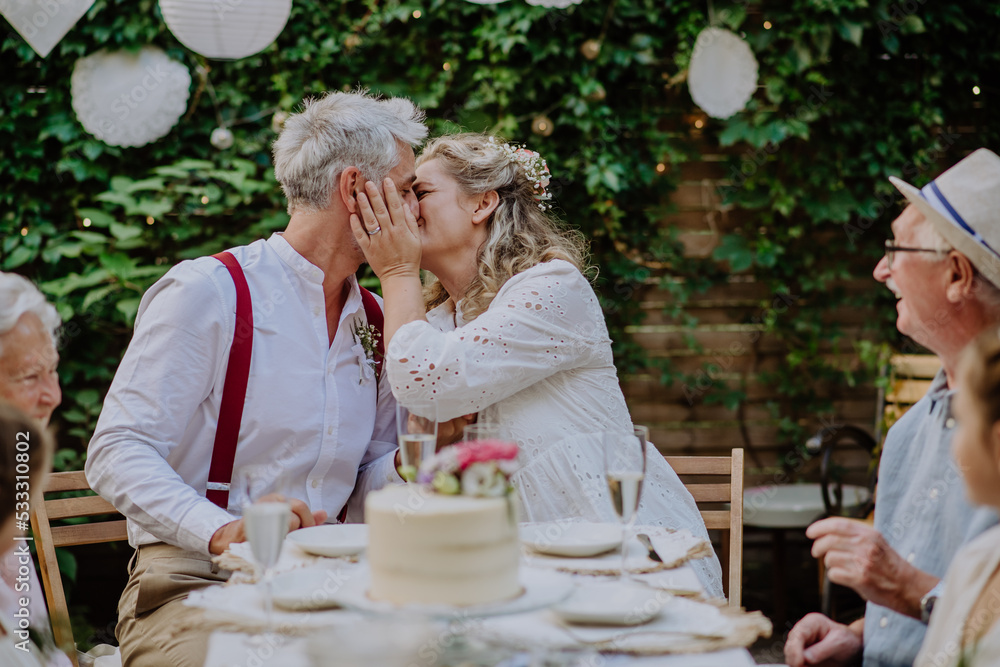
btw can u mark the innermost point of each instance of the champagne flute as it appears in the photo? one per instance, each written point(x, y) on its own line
point(482, 431)
point(266, 524)
point(625, 469)
point(416, 429)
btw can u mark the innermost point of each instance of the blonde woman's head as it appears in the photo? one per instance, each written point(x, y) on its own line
point(518, 232)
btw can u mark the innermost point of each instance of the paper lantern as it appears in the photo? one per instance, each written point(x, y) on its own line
point(226, 29)
point(554, 4)
point(129, 99)
point(43, 23)
point(722, 76)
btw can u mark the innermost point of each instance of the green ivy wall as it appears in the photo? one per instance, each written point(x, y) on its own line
point(851, 91)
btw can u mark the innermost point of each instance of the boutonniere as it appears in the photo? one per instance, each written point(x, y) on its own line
point(365, 347)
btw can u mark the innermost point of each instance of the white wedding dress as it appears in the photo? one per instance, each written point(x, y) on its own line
point(538, 362)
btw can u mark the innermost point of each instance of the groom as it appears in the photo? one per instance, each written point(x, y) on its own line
point(314, 422)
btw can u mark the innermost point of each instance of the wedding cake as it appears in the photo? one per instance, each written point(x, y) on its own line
point(452, 540)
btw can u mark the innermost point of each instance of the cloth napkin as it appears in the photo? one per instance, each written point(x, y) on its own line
point(238, 558)
point(674, 547)
point(683, 626)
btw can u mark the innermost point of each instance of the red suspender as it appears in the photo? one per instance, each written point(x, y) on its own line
point(234, 392)
point(375, 317)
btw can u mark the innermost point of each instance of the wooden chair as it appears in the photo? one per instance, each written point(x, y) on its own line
point(703, 475)
point(48, 537)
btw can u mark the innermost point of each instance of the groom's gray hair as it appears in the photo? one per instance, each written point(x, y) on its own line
point(338, 131)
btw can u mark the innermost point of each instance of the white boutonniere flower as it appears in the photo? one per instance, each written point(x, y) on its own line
point(365, 348)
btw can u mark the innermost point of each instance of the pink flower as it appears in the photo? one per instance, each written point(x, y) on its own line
point(478, 451)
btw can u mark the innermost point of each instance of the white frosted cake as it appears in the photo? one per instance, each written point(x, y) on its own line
point(430, 548)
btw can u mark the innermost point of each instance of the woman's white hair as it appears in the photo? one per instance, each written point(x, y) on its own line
point(18, 296)
point(338, 131)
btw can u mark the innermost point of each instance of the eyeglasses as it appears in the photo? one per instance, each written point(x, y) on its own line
point(891, 248)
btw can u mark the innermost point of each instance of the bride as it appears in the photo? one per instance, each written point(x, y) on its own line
point(511, 328)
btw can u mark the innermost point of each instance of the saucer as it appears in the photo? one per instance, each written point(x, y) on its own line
point(333, 540)
point(611, 603)
point(576, 540)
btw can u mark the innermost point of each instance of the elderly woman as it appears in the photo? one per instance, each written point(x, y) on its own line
point(514, 331)
point(28, 381)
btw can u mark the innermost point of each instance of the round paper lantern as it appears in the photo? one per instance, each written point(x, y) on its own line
point(129, 99)
point(226, 29)
point(554, 4)
point(722, 76)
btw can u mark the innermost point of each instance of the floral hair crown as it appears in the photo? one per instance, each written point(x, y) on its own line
point(536, 170)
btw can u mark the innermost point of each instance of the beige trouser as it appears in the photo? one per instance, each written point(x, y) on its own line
point(152, 610)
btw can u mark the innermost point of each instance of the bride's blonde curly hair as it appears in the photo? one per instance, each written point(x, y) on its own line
point(520, 234)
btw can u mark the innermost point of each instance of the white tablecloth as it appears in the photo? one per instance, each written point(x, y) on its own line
point(239, 606)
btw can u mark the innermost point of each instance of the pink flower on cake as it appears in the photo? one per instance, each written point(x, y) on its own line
point(468, 453)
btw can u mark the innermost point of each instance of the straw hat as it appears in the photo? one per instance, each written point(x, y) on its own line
point(963, 205)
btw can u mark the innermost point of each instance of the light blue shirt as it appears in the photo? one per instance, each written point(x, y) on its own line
point(923, 512)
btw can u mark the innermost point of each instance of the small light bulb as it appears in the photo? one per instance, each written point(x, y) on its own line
point(204, 199)
point(975, 90)
point(149, 220)
point(699, 123)
point(446, 67)
point(767, 25)
point(660, 168)
point(86, 222)
point(417, 14)
point(24, 231)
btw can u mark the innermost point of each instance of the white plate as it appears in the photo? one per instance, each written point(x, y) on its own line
point(306, 589)
point(542, 588)
point(577, 540)
point(332, 540)
point(611, 603)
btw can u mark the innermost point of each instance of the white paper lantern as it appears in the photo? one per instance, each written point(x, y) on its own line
point(554, 4)
point(129, 99)
point(43, 23)
point(722, 76)
point(226, 29)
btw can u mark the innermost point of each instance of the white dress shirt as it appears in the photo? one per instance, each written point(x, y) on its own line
point(538, 362)
point(309, 420)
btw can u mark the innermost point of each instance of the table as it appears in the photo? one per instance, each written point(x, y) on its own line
point(523, 639)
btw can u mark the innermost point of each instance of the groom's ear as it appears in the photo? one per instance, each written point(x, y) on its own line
point(488, 202)
point(348, 183)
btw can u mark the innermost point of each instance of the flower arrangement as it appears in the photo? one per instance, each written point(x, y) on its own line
point(536, 170)
point(480, 468)
point(365, 348)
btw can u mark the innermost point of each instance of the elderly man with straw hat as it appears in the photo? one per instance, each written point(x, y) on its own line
point(943, 265)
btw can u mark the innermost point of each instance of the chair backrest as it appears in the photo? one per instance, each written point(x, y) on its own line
point(910, 377)
point(48, 537)
point(706, 478)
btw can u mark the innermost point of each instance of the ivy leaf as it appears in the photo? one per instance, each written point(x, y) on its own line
point(21, 255)
point(128, 308)
point(850, 31)
point(98, 218)
point(124, 232)
point(735, 250)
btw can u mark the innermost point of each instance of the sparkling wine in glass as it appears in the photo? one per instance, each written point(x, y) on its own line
point(625, 470)
point(416, 430)
point(266, 524)
point(482, 431)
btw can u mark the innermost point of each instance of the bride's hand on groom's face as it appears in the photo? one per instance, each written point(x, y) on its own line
point(387, 232)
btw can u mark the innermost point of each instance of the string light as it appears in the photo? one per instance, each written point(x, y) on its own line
point(699, 123)
point(86, 222)
point(446, 66)
point(660, 168)
point(149, 220)
point(24, 231)
point(204, 199)
point(975, 90)
point(767, 25)
point(417, 14)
